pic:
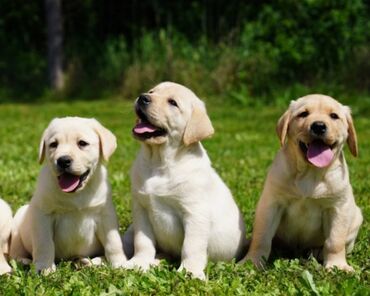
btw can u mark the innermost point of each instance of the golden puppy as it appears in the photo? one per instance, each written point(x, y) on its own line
point(307, 201)
point(5, 229)
point(71, 213)
point(181, 207)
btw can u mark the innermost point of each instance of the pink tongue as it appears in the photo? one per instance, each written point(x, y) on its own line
point(144, 127)
point(319, 154)
point(68, 182)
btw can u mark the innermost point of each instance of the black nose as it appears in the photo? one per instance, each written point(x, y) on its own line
point(64, 162)
point(144, 100)
point(318, 128)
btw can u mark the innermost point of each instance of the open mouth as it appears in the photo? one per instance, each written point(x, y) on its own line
point(318, 153)
point(144, 129)
point(70, 183)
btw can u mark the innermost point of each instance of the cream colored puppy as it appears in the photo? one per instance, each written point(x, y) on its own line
point(307, 201)
point(5, 229)
point(71, 213)
point(181, 207)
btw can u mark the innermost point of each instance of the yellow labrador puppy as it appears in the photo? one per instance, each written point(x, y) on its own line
point(181, 207)
point(71, 213)
point(307, 201)
point(5, 229)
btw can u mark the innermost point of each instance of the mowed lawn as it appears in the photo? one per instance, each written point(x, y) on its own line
point(241, 151)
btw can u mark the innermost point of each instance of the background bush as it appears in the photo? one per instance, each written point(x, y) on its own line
point(229, 48)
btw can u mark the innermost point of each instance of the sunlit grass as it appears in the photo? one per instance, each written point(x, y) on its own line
point(241, 151)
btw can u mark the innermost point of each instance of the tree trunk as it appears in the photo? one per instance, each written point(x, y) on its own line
point(55, 43)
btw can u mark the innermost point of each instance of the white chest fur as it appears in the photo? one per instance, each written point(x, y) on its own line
point(162, 201)
point(302, 223)
point(305, 204)
point(75, 234)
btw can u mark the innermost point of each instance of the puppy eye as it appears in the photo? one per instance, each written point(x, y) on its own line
point(151, 91)
point(82, 143)
point(53, 144)
point(303, 114)
point(334, 116)
point(172, 102)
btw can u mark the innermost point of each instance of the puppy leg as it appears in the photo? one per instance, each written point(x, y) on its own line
point(110, 238)
point(129, 249)
point(355, 227)
point(17, 249)
point(113, 248)
point(5, 229)
point(334, 249)
point(194, 248)
point(144, 241)
point(4, 266)
point(43, 248)
point(268, 215)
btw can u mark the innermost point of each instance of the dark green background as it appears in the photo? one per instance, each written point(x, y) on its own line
point(230, 48)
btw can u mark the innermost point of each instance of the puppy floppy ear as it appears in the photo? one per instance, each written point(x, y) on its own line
point(108, 141)
point(282, 126)
point(199, 126)
point(352, 136)
point(42, 148)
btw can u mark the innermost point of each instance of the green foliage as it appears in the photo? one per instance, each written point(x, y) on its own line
point(235, 49)
point(22, 56)
point(241, 151)
point(303, 41)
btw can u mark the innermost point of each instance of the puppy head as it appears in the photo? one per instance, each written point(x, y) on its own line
point(171, 113)
point(318, 126)
point(73, 147)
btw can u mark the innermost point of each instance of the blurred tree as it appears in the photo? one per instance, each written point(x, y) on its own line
point(53, 10)
point(252, 45)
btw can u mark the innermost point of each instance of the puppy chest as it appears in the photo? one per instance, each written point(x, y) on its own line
point(302, 223)
point(159, 186)
point(75, 235)
point(167, 226)
point(160, 197)
point(311, 186)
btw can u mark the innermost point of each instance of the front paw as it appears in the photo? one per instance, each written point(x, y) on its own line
point(88, 262)
point(140, 263)
point(196, 272)
point(119, 263)
point(44, 268)
point(5, 268)
point(341, 266)
point(258, 261)
point(117, 260)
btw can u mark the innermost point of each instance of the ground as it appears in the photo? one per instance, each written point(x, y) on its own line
point(241, 150)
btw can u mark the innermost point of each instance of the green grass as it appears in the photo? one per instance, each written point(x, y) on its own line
point(241, 150)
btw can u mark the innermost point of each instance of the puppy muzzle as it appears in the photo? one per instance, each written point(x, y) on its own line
point(144, 128)
point(70, 183)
